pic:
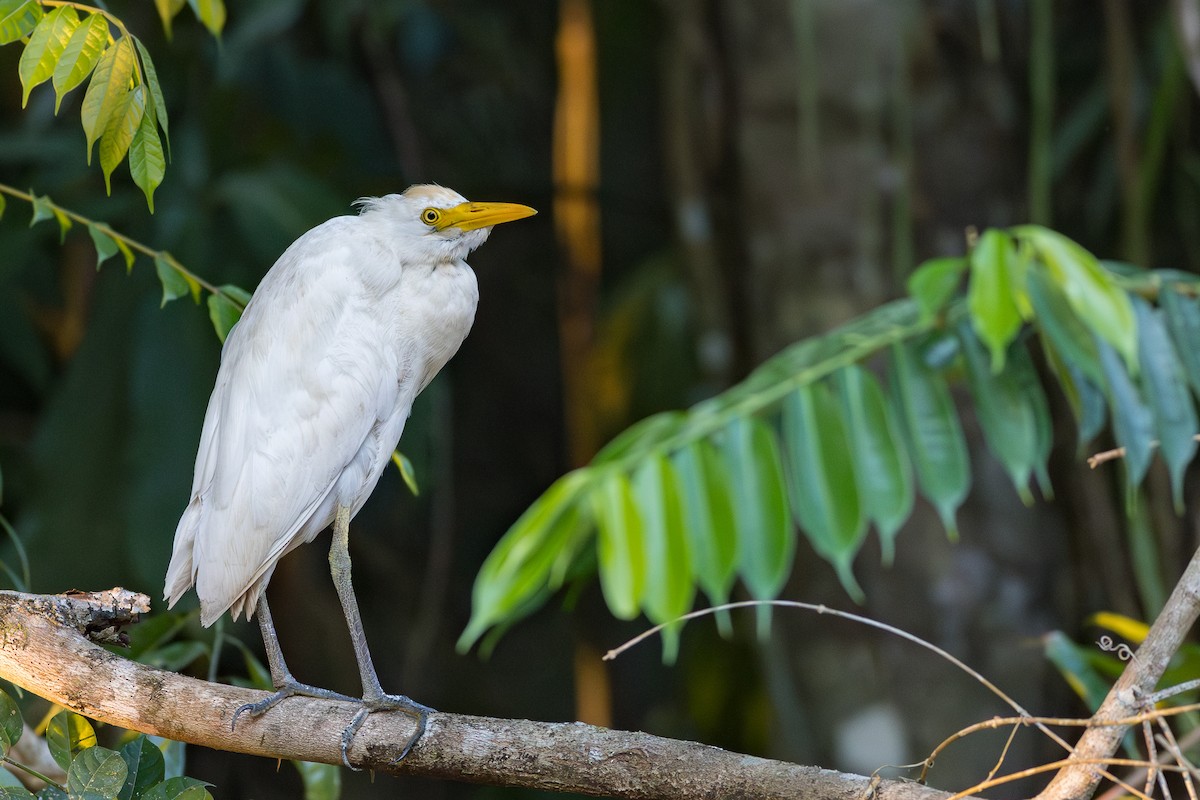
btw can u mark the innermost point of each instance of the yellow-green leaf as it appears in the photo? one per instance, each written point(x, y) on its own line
point(991, 296)
point(159, 103)
point(619, 544)
point(18, 19)
point(79, 57)
point(665, 545)
point(211, 14)
point(107, 90)
point(225, 308)
point(46, 45)
point(934, 282)
point(407, 473)
point(146, 162)
point(123, 125)
point(167, 10)
point(67, 735)
point(709, 522)
point(3, 202)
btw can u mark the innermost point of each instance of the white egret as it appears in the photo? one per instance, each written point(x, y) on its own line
point(316, 382)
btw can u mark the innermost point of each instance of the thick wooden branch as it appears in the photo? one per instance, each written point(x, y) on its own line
point(44, 650)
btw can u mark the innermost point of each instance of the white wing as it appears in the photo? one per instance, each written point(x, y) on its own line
point(305, 377)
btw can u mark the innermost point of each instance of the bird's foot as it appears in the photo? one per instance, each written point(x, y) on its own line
point(385, 702)
point(289, 687)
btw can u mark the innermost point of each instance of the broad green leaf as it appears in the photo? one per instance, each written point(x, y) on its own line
point(1133, 422)
point(1165, 387)
point(123, 125)
point(167, 10)
point(211, 14)
point(157, 101)
point(79, 57)
point(67, 735)
point(107, 91)
point(619, 545)
point(881, 466)
point(15, 793)
point(407, 473)
point(641, 436)
point(825, 499)
point(709, 522)
point(11, 725)
point(935, 283)
point(46, 46)
point(96, 771)
point(106, 245)
point(144, 764)
point(668, 591)
point(175, 285)
point(1061, 329)
point(518, 567)
point(321, 781)
point(1005, 411)
point(1183, 319)
point(147, 165)
point(1101, 304)
point(18, 20)
point(225, 309)
point(766, 541)
point(991, 294)
point(932, 432)
point(181, 788)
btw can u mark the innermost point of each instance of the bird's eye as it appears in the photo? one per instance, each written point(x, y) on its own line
point(430, 216)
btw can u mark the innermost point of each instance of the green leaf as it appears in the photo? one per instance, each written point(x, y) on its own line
point(1183, 320)
point(665, 546)
point(107, 91)
point(11, 725)
point(67, 735)
point(619, 549)
point(932, 432)
point(1077, 666)
point(225, 308)
point(43, 209)
point(181, 788)
point(79, 57)
point(519, 567)
point(935, 283)
point(3, 203)
point(144, 764)
point(1005, 410)
point(211, 14)
point(321, 781)
point(825, 498)
point(157, 101)
point(1101, 304)
point(709, 522)
point(19, 21)
point(15, 793)
point(96, 771)
point(123, 125)
point(1133, 422)
point(407, 473)
point(766, 541)
point(1165, 387)
point(147, 165)
point(175, 285)
point(881, 467)
point(106, 245)
point(167, 10)
point(1061, 329)
point(46, 46)
point(641, 437)
point(991, 294)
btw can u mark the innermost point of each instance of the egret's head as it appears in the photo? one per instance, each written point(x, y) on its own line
point(443, 220)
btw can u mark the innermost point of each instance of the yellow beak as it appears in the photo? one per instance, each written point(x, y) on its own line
point(471, 216)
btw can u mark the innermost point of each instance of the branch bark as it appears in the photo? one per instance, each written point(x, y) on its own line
point(44, 650)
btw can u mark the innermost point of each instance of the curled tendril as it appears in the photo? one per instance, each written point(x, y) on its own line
point(1123, 651)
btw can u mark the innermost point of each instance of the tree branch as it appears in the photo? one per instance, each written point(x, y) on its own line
point(43, 650)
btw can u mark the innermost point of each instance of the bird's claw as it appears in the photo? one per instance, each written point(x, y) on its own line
point(388, 702)
point(287, 688)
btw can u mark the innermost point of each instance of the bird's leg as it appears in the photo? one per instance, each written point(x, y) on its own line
point(281, 677)
point(374, 698)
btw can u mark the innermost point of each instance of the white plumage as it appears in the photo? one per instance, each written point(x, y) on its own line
point(316, 382)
